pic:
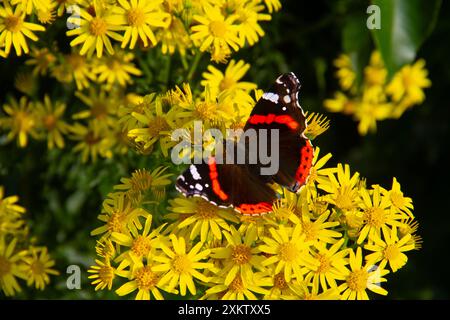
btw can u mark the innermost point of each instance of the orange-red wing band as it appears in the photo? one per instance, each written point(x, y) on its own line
point(306, 158)
point(254, 209)
point(268, 119)
point(215, 182)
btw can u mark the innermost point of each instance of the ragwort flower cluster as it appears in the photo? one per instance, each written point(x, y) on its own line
point(336, 239)
point(21, 261)
point(377, 98)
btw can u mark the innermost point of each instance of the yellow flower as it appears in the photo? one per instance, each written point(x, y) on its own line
point(102, 274)
point(74, 67)
point(317, 231)
point(273, 5)
point(181, 265)
point(145, 280)
point(230, 80)
point(375, 73)
point(21, 120)
point(341, 103)
point(118, 68)
point(249, 14)
point(215, 32)
point(289, 251)
point(92, 141)
point(157, 126)
point(174, 37)
point(27, 6)
point(105, 249)
point(119, 216)
point(409, 83)
point(398, 200)
point(342, 188)
point(142, 181)
point(141, 245)
point(38, 267)
point(137, 18)
point(376, 214)
point(204, 218)
point(369, 113)
point(95, 30)
point(9, 267)
point(49, 116)
point(317, 124)
point(239, 256)
point(391, 250)
point(345, 73)
point(238, 289)
point(361, 278)
point(102, 107)
point(11, 221)
point(331, 267)
point(13, 28)
point(308, 292)
point(42, 60)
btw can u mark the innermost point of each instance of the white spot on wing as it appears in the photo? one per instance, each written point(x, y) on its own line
point(287, 99)
point(199, 187)
point(271, 97)
point(194, 172)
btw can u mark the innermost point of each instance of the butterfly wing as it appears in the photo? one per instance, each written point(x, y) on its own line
point(227, 185)
point(279, 109)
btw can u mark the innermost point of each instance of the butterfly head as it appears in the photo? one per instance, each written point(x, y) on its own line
point(287, 84)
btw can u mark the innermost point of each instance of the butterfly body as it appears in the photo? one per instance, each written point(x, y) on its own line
point(243, 186)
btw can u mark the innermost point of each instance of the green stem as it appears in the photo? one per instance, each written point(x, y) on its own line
point(194, 66)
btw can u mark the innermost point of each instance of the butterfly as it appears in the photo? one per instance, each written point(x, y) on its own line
point(242, 186)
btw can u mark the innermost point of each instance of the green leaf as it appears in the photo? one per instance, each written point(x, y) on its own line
point(356, 42)
point(405, 24)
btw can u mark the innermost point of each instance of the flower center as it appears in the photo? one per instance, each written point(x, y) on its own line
point(241, 254)
point(115, 222)
point(226, 83)
point(206, 210)
point(141, 180)
point(357, 280)
point(218, 28)
point(5, 266)
point(279, 281)
point(136, 17)
point(98, 26)
point(181, 264)
point(325, 264)
point(157, 125)
point(13, 23)
point(99, 110)
point(343, 198)
point(375, 217)
point(141, 246)
point(50, 122)
point(91, 139)
point(76, 61)
point(204, 110)
point(391, 252)
point(37, 268)
point(236, 285)
point(288, 252)
point(106, 274)
point(146, 279)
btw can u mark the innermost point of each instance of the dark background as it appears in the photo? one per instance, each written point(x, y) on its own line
point(64, 196)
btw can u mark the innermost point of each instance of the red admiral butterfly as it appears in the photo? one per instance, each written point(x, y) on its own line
point(242, 186)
